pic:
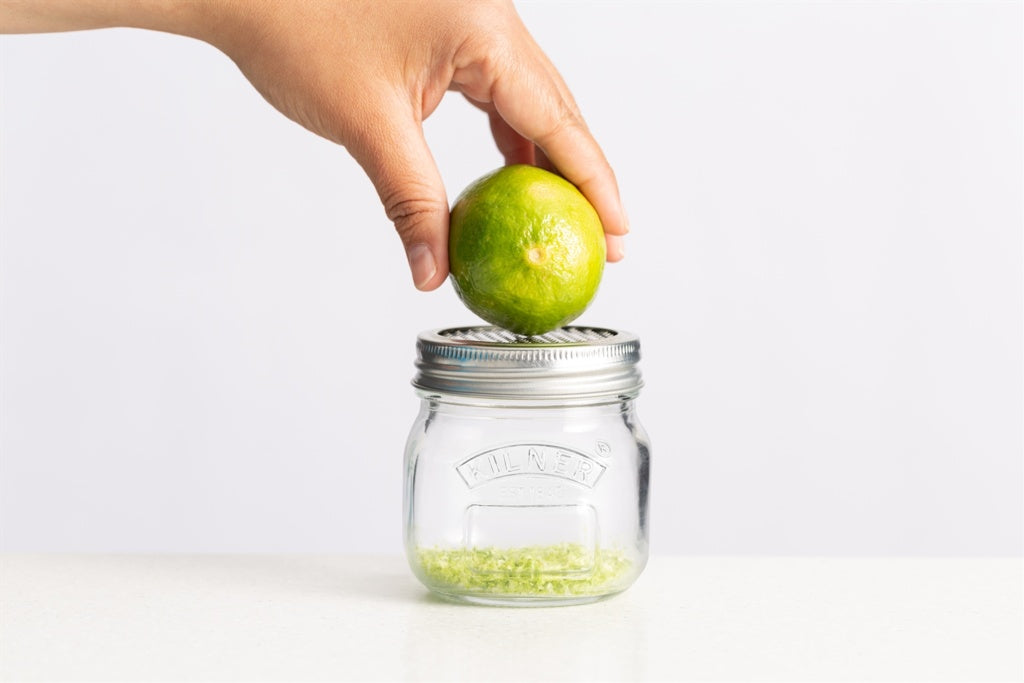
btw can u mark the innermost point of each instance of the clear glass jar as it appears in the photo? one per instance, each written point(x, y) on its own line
point(526, 471)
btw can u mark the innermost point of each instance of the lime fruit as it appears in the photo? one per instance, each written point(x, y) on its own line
point(526, 249)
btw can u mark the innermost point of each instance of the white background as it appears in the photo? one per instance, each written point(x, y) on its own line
point(208, 325)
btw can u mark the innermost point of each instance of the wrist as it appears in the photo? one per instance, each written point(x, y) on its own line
point(201, 19)
point(44, 16)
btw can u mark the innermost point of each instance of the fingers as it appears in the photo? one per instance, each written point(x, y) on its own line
point(541, 159)
point(514, 147)
point(528, 94)
point(532, 99)
point(519, 150)
point(395, 156)
point(534, 107)
point(614, 250)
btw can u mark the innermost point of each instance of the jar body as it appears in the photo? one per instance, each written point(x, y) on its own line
point(526, 502)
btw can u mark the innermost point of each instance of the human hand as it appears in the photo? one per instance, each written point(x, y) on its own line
point(366, 73)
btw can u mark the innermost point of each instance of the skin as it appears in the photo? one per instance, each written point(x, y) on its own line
point(366, 74)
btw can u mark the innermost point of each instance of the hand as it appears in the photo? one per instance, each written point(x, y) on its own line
point(366, 73)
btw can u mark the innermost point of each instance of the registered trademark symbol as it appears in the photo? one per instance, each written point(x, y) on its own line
point(603, 448)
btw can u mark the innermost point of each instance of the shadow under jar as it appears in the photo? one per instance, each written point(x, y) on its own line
point(526, 471)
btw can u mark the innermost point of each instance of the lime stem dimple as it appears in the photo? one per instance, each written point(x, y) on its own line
point(535, 255)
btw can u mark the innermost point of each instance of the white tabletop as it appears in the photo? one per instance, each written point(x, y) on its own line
point(261, 617)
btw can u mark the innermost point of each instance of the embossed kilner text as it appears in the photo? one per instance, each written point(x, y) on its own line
point(531, 459)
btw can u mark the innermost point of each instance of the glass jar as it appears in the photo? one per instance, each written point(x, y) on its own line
point(526, 471)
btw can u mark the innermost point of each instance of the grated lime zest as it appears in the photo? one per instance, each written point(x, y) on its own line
point(562, 569)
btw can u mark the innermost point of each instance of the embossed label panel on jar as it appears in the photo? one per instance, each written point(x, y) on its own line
point(564, 534)
point(531, 459)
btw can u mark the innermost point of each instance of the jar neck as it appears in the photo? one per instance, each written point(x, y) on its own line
point(447, 401)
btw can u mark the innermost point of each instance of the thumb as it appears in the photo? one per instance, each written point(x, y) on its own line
point(396, 158)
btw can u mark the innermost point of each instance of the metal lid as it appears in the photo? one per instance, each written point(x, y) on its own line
point(490, 362)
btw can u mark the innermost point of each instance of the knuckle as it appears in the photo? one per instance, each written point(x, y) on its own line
point(480, 63)
point(413, 213)
point(565, 119)
point(485, 15)
point(488, 44)
point(491, 63)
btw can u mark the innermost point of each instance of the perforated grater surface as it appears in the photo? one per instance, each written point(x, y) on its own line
point(497, 335)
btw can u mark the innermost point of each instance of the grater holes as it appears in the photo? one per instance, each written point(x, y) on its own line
point(497, 335)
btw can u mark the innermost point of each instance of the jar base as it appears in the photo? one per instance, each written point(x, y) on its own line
point(483, 599)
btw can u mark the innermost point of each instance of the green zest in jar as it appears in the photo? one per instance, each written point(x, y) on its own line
point(566, 569)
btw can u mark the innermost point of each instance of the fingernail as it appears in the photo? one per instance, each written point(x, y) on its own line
point(422, 264)
point(625, 221)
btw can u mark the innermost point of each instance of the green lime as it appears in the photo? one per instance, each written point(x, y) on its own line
point(526, 249)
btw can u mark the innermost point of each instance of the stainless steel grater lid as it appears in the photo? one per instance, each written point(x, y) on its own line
point(490, 362)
